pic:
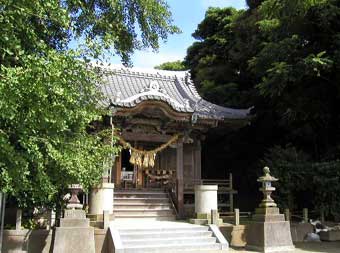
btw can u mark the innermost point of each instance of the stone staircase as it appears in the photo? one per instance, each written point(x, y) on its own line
point(166, 238)
point(143, 204)
point(145, 222)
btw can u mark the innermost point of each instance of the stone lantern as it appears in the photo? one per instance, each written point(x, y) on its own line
point(74, 233)
point(269, 232)
point(74, 202)
point(267, 188)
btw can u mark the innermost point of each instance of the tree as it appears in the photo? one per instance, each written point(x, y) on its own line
point(283, 58)
point(174, 66)
point(218, 60)
point(48, 94)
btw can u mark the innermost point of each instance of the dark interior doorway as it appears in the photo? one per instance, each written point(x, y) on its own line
point(126, 165)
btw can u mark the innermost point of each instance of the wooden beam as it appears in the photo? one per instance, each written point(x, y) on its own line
point(132, 136)
point(180, 182)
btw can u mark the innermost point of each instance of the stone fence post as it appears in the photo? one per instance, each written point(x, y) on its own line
point(237, 217)
point(287, 214)
point(18, 219)
point(305, 215)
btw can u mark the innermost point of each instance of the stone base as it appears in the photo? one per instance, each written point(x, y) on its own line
point(270, 237)
point(204, 221)
point(268, 215)
point(74, 240)
point(74, 234)
point(238, 236)
point(78, 223)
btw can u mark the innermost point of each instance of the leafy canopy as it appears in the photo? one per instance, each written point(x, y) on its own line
point(48, 94)
point(282, 56)
point(174, 66)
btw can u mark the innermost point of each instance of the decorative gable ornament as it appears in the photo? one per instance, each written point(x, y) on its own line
point(153, 87)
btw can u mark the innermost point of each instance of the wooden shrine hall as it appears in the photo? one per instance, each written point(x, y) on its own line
point(161, 120)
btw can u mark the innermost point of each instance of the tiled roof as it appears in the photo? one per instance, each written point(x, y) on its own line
point(127, 87)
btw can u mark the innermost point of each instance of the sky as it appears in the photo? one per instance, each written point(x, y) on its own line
point(187, 14)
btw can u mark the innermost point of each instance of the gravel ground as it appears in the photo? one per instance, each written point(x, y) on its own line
point(310, 247)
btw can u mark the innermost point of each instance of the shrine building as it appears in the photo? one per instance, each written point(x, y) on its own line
point(161, 120)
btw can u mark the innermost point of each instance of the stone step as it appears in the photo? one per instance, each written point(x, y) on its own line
point(142, 212)
point(140, 190)
point(154, 207)
point(178, 228)
point(146, 218)
point(140, 200)
point(140, 195)
point(168, 241)
point(168, 234)
point(197, 247)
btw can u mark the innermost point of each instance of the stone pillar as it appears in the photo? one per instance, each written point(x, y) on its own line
point(179, 174)
point(101, 198)
point(214, 217)
point(205, 199)
point(205, 202)
point(269, 232)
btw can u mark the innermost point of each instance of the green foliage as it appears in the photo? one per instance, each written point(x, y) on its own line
point(282, 56)
point(102, 25)
point(174, 66)
point(285, 164)
point(218, 60)
point(45, 143)
point(300, 178)
point(48, 93)
point(252, 4)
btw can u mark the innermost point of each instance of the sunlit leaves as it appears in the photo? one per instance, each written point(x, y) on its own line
point(48, 93)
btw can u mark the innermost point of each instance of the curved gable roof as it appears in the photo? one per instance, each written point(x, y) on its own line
point(128, 87)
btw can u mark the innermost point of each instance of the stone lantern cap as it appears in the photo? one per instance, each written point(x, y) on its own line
point(267, 177)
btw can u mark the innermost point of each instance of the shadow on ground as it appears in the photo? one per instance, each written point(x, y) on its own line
point(305, 247)
point(318, 247)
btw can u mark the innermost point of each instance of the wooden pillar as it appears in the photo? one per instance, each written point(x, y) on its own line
point(198, 160)
point(117, 170)
point(231, 193)
point(179, 175)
